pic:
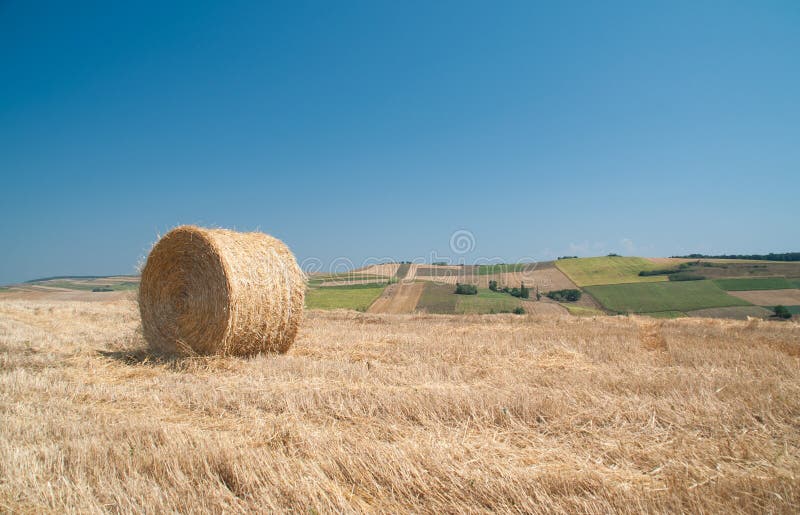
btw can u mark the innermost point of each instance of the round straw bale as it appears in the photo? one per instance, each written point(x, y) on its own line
point(214, 291)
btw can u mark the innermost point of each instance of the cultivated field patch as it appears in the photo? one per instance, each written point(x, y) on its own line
point(664, 296)
point(754, 283)
point(608, 270)
point(720, 269)
point(770, 297)
point(437, 298)
point(357, 297)
point(487, 301)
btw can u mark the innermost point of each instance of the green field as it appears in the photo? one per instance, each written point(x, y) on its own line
point(795, 283)
point(486, 301)
point(438, 298)
point(664, 296)
point(357, 297)
point(795, 310)
point(755, 283)
point(609, 270)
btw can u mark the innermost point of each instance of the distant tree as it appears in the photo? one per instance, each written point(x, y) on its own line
point(466, 289)
point(569, 295)
point(519, 310)
point(782, 312)
point(613, 255)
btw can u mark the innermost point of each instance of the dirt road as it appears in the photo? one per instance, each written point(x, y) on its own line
point(398, 298)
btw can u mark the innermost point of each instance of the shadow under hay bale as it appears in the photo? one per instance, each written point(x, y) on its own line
point(214, 291)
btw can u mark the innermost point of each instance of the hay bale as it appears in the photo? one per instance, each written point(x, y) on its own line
point(214, 291)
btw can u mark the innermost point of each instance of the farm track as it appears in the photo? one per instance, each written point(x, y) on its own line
point(400, 297)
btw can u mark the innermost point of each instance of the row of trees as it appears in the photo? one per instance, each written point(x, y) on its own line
point(783, 256)
point(523, 292)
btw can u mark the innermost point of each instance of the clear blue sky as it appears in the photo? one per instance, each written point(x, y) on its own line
point(376, 128)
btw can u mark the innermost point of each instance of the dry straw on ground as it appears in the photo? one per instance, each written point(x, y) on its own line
point(214, 291)
point(401, 414)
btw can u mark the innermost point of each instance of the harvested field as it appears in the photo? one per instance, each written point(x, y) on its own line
point(384, 269)
point(28, 292)
point(402, 413)
point(733, 313)
point(769, 297)
point(398, 298)
point(377, 280)
point(582, 311)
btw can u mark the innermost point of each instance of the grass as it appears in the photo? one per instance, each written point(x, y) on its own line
point(401, 414)
point(795, 310)
point(754, 283)
point(665, 314)
point(357, 297)
point(795, 283)
point(486, 301)
point(665, 296)
point(608, 270)
point(438, 298)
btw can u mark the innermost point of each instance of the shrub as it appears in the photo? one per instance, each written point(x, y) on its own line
point(565, 295)
point(466, 289)
point(686, 276)
point(493, 285)
point(519, 310)
point(663, 271)
point(782, 312)
point(102, 289)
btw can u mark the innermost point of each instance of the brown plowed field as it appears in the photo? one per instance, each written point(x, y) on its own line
point(769, 297)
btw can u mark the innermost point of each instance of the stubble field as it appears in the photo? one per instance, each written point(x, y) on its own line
point(388, 413)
